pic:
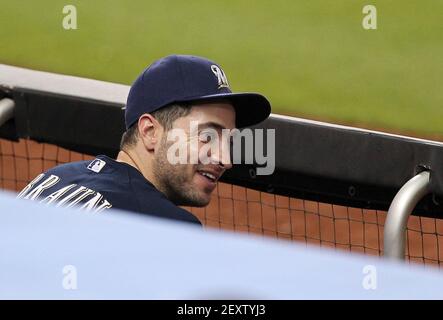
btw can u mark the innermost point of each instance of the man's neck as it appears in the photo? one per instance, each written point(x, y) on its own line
point(132, 159)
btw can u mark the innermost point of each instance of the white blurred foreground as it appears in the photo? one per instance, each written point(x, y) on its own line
point(52, 253)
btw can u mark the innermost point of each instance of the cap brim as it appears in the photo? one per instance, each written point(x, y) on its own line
point(250, 108)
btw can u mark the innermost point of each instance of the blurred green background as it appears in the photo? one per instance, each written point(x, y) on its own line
point(311, 58)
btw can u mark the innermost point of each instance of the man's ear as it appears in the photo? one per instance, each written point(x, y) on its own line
point(149, 130)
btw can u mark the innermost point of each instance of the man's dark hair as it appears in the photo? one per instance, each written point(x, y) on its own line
point(165, 116)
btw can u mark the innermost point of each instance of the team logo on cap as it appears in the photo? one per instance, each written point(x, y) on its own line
point(221, 77)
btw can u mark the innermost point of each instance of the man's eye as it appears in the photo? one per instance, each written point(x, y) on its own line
point(206, 136)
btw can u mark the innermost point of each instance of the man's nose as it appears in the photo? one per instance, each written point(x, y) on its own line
point(223, 158)
point(226, 160)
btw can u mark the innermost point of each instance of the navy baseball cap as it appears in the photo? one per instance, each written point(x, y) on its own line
point(190, 79)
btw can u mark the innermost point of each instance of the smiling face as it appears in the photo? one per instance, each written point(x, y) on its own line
point(192, 183)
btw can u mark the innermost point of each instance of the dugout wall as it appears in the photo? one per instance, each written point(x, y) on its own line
point(332, 184)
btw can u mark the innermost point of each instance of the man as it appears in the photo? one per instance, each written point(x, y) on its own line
point(177, 96)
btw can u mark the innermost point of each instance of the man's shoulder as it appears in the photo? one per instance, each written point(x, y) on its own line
point(155, 203)
point(100, 164)
point(133, 185)
point(187, 216)
point(68, 167)
point(121, 186)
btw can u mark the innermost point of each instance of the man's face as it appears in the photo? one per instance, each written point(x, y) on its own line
point(208, 154)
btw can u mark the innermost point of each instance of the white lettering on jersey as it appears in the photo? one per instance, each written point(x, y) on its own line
point(96, 204)
point(67, 196)
point(92, 203)
point(30, 185)
point(83, 196)
point(103, 206)
point(48, 183)
point(71, 198)
point(57, 194)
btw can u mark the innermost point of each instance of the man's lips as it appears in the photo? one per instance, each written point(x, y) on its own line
point(211, 174)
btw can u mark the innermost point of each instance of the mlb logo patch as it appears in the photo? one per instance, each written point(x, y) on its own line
point(96, 165)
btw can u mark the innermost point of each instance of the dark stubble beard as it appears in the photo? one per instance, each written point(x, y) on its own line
point(173, 180)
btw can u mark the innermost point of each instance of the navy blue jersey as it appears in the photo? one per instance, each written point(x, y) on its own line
point(99, 185)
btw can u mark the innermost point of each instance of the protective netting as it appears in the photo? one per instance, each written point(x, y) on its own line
point(245, 210)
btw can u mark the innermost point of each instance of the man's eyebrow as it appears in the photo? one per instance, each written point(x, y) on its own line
point(211, 124)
